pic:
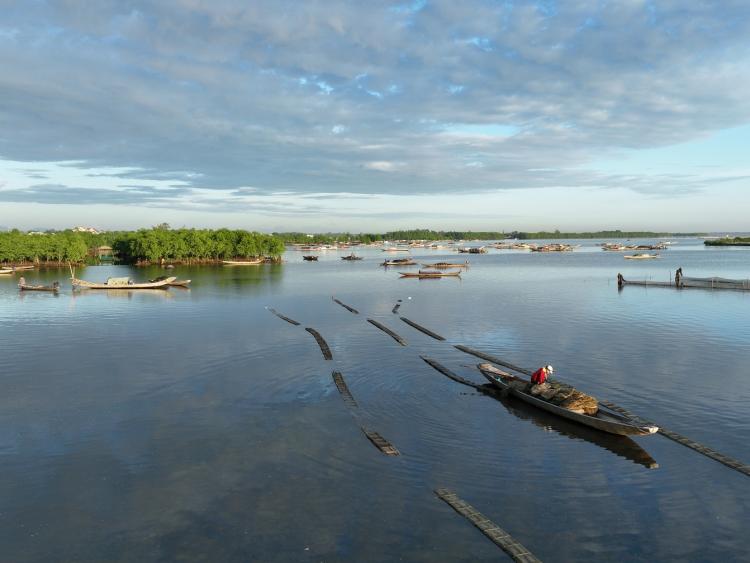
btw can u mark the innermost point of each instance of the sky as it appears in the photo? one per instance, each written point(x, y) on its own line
point(342, 115)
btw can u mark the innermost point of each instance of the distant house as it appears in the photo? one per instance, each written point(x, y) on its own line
point(81, 229)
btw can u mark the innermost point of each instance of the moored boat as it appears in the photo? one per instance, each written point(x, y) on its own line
point(243, 262)
point(431, 274)
point(351, 256)
point(121, 283)
point(443, 265)
point(310, 258)
point(605, 419)
point(399, 262)
point(55, 287)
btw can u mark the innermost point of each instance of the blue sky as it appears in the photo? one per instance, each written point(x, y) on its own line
point(344, 115)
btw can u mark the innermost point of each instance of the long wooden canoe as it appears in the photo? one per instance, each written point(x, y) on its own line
point(7, 272)
point(118, 284)
point(243, 262)
point(399, 262)
point(605, 419)
point(443, 265)
point(431, 274)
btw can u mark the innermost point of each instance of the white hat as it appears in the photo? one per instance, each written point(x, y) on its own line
point(550, 369)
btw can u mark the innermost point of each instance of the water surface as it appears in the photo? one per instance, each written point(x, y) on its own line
point(194, 425)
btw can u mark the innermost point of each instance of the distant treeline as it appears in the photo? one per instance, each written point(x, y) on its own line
point(145, 245)
point(413, 234)
point(596, 234)
point(736, 241)
point(427, 234)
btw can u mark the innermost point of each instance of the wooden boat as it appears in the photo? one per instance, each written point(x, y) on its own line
point(310, 258)
point(243, 262)
point(399, 262)
point(473, 250)
point(55, 287)
point(443, 265)
point(17, 268)
point(395, 250)
point(351, 256)
point(7, 272)
point(641, 256)
point(121, 283)
point(431, 274)
point(619, 445)
point(175, 283)
point(605, 419)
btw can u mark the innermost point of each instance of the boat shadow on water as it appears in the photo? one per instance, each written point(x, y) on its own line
point(619, 445)
point(124, 293)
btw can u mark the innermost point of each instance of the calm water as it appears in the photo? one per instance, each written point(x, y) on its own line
point(196, 426)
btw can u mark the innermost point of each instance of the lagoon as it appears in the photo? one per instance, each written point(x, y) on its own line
point(197, 426)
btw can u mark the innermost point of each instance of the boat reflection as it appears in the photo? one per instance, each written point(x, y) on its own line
point(156, 293)
point(619, 445)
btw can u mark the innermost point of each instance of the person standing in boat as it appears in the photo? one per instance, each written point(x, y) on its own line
point(541, 375)
point(21, 281)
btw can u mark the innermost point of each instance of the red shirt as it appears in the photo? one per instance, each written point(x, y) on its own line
point(539, 376)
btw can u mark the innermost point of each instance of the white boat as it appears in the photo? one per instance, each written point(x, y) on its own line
point(243, 262)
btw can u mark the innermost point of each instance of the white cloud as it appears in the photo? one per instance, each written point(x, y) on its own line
point(383, 166)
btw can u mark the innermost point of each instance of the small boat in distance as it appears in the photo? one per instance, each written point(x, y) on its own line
point(310, 258)
point(399, 262)
point(393, 249)
point(443, 265)
point(243, 262)
point(351, 256)
point(55, 287)
point(431, 274)
point(605, 419)
point(641, 256)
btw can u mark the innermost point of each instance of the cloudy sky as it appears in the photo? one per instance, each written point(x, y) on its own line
point(333, 115)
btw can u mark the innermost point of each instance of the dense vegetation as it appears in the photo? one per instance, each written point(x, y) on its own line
point(145, 245)
point(426, 234)
point(194, 245)
point(66, 246)
point(736, 241)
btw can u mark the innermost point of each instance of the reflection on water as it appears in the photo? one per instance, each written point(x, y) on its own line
point(194, 425)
